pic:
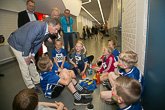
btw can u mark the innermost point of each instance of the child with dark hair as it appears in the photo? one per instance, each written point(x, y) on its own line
point(53, 84)
point(27, 99)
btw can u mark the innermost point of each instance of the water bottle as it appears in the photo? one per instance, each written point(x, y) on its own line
point(97, 78)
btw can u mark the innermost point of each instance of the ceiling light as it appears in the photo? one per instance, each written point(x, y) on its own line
point(101, 11)
point(86, 2)
point(89, 14)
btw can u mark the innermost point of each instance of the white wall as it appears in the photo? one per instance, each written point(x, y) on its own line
point(134, 26)
point(13, 5)
point(73, 5)
point(83, 21)
point(8, 19)
point(113, 20)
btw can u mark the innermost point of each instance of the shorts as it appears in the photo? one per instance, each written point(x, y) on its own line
point(56, 90)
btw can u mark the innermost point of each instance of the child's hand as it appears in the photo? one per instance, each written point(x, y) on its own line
point(62, 67)
point(75, 66)
point(60, 104)
point(115, 64)
point(82, 73)
point(99, 59)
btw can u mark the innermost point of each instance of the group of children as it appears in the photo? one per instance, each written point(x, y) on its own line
point(119, 68)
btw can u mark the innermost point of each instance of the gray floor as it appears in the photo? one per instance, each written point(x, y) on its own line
point(12, 82)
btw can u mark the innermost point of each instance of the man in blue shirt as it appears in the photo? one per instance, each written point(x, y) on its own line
point(67, 23)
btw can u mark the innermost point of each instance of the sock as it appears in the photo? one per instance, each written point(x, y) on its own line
point(77, 96)
point(78, 87)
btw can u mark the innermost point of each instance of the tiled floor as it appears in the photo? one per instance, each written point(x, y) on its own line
point(12, 82)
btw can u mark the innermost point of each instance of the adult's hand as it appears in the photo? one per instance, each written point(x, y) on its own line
point(27, 60)
point(32, 57)
point(50, 40)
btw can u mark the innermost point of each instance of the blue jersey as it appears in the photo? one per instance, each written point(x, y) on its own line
point(47, 79)
point(58, 54)
point(116, 54)
point(78, 58)
point(134, 73)
point(135, 106)
point(66, 24)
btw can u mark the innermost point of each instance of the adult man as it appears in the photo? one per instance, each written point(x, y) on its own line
point(49, 42)
point(26, 41)
point(67, 22)
point(27, 15)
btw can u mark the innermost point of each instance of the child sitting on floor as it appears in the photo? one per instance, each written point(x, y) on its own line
point(126, 92)
point(59, 55)
point(53, 84)
point(112, 44)
point(124, 67)
point(27, 99)
point(107, 63)
point(78, 59)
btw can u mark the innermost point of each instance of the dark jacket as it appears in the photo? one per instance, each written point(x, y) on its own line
point(23, 18)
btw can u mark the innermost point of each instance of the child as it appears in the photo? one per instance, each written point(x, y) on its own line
point(112, 44)
point(107, 63)
point(126, 92)
point(53, 84)
point(127, 61)
point(91, 57)
point(78, 59)
point(59, 55)
point(27, 99)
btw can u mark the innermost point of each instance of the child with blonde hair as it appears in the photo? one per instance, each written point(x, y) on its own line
point(78, 59)
point(124, 67)
point(59, 56)
point(112, 44)
point(126, 92)
point(107, 63)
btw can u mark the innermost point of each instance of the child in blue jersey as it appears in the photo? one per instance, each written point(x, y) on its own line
point(126, 92)
point(53, 84)
point(112, 44)
point(59, 55)
point(78, 59)
point(124, 67)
